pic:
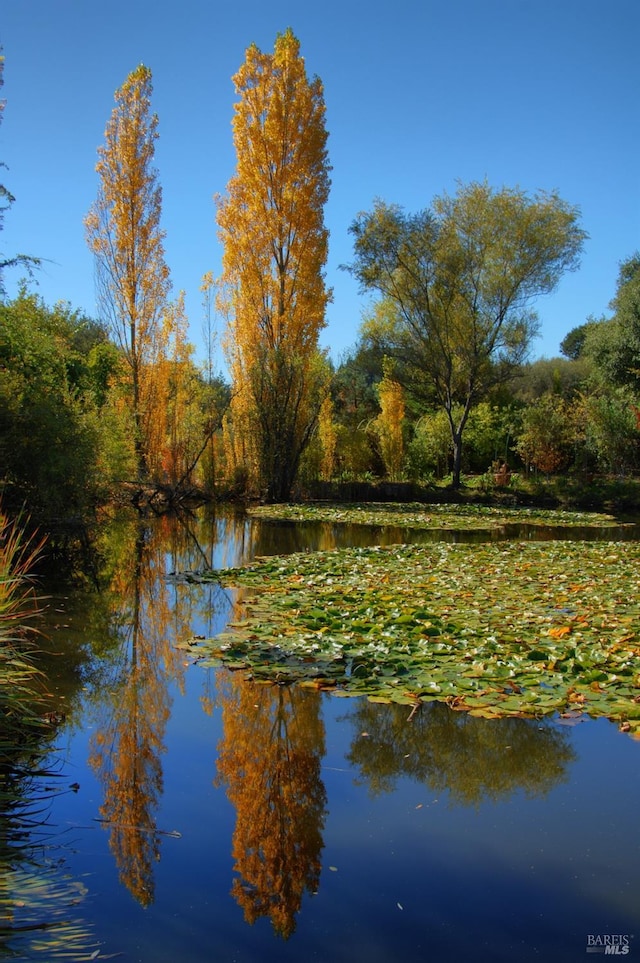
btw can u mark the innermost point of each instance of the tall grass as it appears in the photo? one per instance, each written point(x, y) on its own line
point(38, 900)
point(21, 716)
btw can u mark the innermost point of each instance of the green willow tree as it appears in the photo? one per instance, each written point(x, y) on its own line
point(271, 223)
point(457, 282)
point(123, 231)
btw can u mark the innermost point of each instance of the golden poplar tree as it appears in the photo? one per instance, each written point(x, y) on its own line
point(123, 231)
point(177, 383)
point(328, 436)
point(271, 223)
point(389, 423)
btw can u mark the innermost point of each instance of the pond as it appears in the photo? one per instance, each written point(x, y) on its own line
point(190, 814)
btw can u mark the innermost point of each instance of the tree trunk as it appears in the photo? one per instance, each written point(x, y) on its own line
point(456, 440)
point(456, 437)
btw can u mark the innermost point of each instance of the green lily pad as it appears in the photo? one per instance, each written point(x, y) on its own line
point(421, 516)
point(508, 628)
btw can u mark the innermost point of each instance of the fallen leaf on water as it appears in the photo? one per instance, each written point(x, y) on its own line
point(560, 631)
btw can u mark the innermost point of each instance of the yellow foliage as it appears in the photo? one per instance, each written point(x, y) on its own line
point(128, 741)
point(269, 760)
point(328, 432)
point(123, 231)
point(560, 631)
point(271, 223)
point(388, 426)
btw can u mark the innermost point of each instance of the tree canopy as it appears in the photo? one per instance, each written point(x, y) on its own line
point(87, 405)
point(275, 247)
point(460, 279)
point(614, 345)
point(123, 231)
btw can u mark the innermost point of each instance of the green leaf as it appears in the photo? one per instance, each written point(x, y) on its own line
point(449, 621)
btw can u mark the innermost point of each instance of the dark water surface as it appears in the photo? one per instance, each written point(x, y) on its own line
point(197, 817)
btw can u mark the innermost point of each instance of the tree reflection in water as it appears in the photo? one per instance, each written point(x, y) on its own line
point(457, 753)
point(128, 745)
point(269, 761)
point(273, 736)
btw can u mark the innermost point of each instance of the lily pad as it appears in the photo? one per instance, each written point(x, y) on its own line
point(520, 628)
point(420, 516)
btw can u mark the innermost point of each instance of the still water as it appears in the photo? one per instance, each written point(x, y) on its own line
point(193, 816)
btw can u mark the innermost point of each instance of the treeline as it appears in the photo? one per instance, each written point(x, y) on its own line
point(66, 434)
point(437, 385)
point(577, 414)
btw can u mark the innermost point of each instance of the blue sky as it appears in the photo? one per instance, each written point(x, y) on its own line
point(420, 95)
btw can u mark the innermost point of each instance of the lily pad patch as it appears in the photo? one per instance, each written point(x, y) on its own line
point(431, 516)
point(494, 629)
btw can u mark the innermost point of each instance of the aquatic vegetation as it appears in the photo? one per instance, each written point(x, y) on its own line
point(420, 516)
point(494, 629)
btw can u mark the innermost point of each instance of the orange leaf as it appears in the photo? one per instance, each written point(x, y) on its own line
point(560, 631)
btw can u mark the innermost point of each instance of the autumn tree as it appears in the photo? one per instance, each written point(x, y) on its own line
point(328, 437)
point(459, 280)
point(271, 224)
point(388, 426)
point(169, 388)
point(123, 231)
point(546, 441)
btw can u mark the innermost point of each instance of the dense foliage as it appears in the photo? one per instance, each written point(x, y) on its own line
point(275, 247)
point(54, 374)
point(458, 282)
point(91, 406)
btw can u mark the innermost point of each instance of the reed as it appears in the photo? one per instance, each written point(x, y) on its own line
point(39, 914)
point(21, 710)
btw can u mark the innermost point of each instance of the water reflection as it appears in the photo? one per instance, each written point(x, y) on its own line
point(255, 536)
point(272, 745)
point(40, 901)
point(269, 762)
point(134, 704)
point(457, 753)
point(127, 746)
point(271, 752)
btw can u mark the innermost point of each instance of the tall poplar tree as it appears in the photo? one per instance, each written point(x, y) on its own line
point(123, 231)
point(271, 223)
point(388, 426)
